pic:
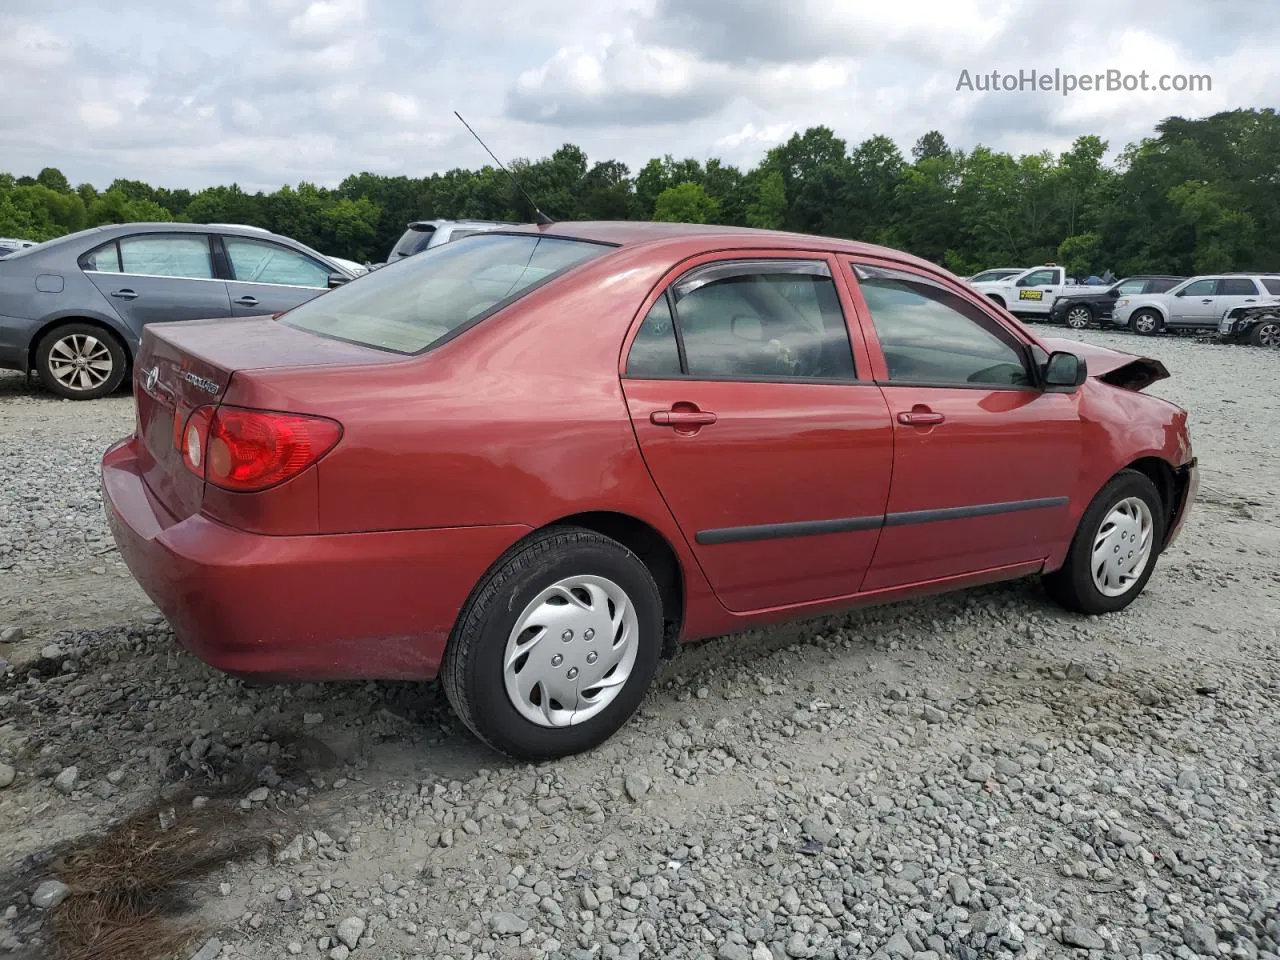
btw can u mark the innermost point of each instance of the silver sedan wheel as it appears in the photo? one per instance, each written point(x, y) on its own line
point(1078, 318)
point(571, 651)
point(80, 361)
point(1122, 547)
point(1269, 335)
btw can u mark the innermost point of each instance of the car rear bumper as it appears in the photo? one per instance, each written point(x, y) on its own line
point(329, 607)
point(15, 342)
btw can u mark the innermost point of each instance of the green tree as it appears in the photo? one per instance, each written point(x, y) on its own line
point(685, 203)
point(770, 206)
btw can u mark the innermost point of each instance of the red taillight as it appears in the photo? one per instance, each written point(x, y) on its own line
point(245, 450)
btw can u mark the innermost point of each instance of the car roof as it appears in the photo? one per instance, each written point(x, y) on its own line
point(634, 233)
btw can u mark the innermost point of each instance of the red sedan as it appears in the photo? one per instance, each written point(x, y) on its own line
point(532, 461)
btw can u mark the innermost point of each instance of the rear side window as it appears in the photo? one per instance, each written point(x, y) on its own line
point(1273, 286)
point(167, 255)
point(103, 259)
point(932, 336)
point(748, 320)
point(409, 305)
point(1237, 287)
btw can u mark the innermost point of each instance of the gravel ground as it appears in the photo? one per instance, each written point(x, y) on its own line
point(967, 776)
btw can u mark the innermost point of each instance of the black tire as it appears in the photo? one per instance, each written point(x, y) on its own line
point(472, 672)
point(98, 343)
point(998, 300)
point(1073, 585)
point(1266, 334)
point(1079, 316)
point(1139, 324)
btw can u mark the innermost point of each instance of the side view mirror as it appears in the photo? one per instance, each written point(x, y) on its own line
point(1065, 371)
point(336, 280)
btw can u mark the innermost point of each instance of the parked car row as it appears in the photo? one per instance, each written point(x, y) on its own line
point(1243, 307)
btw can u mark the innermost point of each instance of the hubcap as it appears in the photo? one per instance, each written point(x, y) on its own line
point(1122, 547)
point(80, 362)
point(1078, 318)
point(1144, 323)
point(571, 651)
point(1269, 335)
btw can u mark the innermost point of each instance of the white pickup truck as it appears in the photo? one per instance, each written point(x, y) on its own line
point(1033, 291)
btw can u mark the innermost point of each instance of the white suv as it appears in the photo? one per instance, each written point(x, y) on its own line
point(1195, 304)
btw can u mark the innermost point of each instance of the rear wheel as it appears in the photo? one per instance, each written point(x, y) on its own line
point(1146, 322)
point(1266, 334)
point(557, 646)
point(80, 361)
point(999, 301)
point(1079, 317)
point(1115, 547)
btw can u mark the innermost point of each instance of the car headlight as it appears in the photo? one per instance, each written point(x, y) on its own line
point(1122, 302)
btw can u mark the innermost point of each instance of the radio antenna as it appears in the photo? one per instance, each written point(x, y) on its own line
point(539, 217)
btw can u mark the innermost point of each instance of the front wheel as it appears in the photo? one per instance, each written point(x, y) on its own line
point(1079, 317)
point(1146, 322)
point(1115, 547)
point(80, 361)
point(1266, 334)
point(557, 645)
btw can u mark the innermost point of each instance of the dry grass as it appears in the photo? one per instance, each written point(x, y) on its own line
point(129, 887)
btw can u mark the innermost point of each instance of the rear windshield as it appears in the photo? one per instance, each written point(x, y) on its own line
point(413, 241)
point(409, 305)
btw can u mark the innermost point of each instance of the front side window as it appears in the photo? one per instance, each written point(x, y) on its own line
point(763, 319)
point(413, 303)
point(930, 335)
point(256, 261)
point(1237, 287)
point(167, 255)
point(1040, 278)
point(1201, 288)
point(1161, 286)
point(1130, 287)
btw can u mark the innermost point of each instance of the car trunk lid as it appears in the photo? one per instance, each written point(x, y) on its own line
point(183, 366)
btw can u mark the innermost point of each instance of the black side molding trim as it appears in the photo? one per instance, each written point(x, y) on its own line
point(778, 531)
point(814, 528)
point(978, 510)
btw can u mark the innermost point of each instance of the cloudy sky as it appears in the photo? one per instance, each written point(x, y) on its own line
point(266, 92)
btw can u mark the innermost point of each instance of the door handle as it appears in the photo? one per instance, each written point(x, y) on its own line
point(1206, 300)
point(920, 418)
point(682, 418)
point(247, 301)
point(125, 294)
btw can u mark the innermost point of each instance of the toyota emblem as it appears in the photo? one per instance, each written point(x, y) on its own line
point(152, 376)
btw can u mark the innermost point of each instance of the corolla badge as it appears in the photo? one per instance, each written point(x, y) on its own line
point(152, 376)
point(209, 386)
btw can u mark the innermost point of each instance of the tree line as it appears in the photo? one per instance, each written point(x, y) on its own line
point(1199, 195)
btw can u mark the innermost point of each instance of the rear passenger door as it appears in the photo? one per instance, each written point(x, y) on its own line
point(266, 277)
point(158, 277)
point(757, 421)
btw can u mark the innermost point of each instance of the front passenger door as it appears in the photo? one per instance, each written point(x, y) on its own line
point(1036, 291)
point(984, 461)
point(771, 447)
point(269, 278)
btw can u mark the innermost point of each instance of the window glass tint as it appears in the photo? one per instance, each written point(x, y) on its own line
point(254, 261)
point(104, 259)
point(930, 335)
point(1237, 287)
point(1130, 287)
point(762, 324)
point(167, 255)
point(413, 241)
point(1201, 288)
point(655, 352)
point(1040, 278)
point(408, 305)
point(1273, 286)
point(1161, 286)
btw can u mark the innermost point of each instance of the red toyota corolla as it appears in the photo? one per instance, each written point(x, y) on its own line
point(532, 461)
